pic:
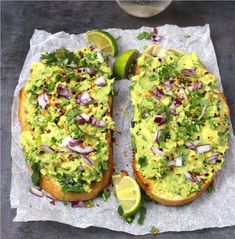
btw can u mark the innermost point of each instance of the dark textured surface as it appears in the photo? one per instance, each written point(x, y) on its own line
point(19, 19)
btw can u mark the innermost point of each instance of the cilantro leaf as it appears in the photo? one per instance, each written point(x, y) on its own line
point(36, 173)
point(72, 113)
point(142, 161)
point(145, 35)
point(142, 215)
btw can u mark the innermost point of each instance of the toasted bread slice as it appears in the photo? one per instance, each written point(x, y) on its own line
point(51, 184)
point(147, 184)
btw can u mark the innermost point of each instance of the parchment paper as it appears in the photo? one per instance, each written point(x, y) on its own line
point(211, 210)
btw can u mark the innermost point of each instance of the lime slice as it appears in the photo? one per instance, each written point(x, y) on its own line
point(123, 62)
point(129, 195)
point(103, 40)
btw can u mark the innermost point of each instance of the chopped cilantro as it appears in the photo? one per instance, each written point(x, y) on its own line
point(51, 86)
point(53, 140)
point(186, 35)
point(114, 92)
point(145, 35)
point(142, 161)
point(105, 194)
point(142, 215)
point(211, 188)
point(36, 173)
point(127, 219)
point(72, 113)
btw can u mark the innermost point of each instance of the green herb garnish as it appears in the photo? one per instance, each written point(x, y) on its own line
point(36, 173)
point(154, 230)
point(142, 215)
point(145, 35)
point(105, 194)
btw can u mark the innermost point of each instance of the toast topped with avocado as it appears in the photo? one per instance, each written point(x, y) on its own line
point(180, 127)
point(65, 115)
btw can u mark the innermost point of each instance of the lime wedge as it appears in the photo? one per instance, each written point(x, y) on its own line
point(129, 195)
point(123, 62)
point(103, 40)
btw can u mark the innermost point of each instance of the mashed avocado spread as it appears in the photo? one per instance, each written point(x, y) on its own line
point(180, 127)
point(67, 107)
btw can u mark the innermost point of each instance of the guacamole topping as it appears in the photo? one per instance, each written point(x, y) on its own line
point(180, 129)
point(67, 105)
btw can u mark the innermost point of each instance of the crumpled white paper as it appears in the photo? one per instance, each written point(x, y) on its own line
point(210, 210)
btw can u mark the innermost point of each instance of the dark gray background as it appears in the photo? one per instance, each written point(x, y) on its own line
point(19, 19)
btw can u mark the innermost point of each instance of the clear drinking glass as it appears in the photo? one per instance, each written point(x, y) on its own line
point(143, 9)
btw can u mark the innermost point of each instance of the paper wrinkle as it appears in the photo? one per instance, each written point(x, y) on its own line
point(210, 210)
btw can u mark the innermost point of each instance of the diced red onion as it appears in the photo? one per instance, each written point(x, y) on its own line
point(155, 150)
point(155, 37)
point(100, 81)
point(47, 148)
point(100, 57)
point(65, 141)
point(43, 100)
point(99, 123)
point(157, 136)
point(80, 150)
point(87, 159)
point(85, 70)
point(178, 161)
point(189, 72)
point(203, 148)
point(181, 91)
point(167, 84)
point(157, 92)
point(80, 120)
point(84, 98)
point(204, 110)
point(77, 204)
point(197, 86)
point(85, 117)
point(192, 145)
point(74, 142)
point(160, 119)
point(214, 157)
point(63, 91)
point(36, 192)
point(188, 176)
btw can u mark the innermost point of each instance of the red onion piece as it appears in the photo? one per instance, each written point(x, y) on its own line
point(203, 148)
point(84, 98)
point(188, 176)
point(85, 70)
point(100, 81)
point(81, 167)
point(47, 148)
point(155, 150)
point(189, 72)
point(43, 100)
point(182, 92)
point(63, 91)
point(87, 159)
point(74, 142)
point(178, 162)
point(167, 84)
point(100, 57)
point(192, 145)
point(197, 86)
point(65, 141)
point(36, 192)
point(204, 110)
point(77, 204)
point(80, 150)
point(85, 117)
point(160, 119)
point(214, 157)
point(157, 136)
point(158, 92)
point(155, 37)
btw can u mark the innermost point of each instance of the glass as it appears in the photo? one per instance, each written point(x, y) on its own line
point(143, 9)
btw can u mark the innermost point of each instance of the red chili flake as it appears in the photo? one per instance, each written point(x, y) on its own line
point(52, 202)
point(48, 131)
point(41, 152)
